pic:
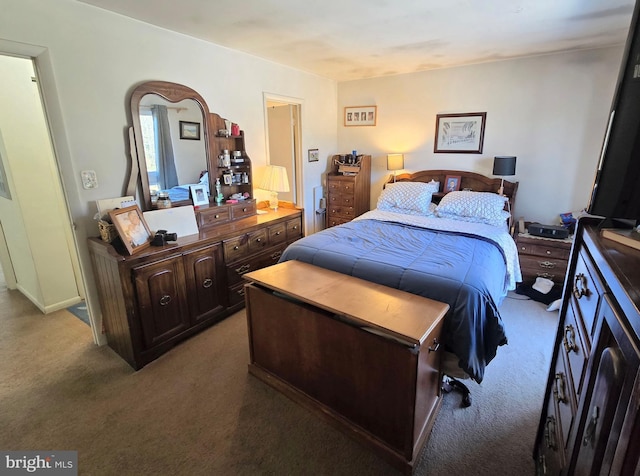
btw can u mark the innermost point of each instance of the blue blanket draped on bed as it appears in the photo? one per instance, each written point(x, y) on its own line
point(464, 271)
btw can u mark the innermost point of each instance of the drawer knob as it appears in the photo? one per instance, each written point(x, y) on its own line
point(550, 433)
point(258, 240)
point(569, 339)
point(236, 247)
point(548, 252)
point(559, 390)
point(241, 291)
point(295, 227)
point(207, 283)
point(165, 300)
point(435, 346)
point(547, 264)
point(276, 256)
point(216, 216)
point(546, 275)
point(243, 269)
point(244, 209)
point(580, 286)
point(278, 233)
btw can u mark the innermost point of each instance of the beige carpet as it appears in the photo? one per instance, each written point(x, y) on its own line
point(196, 411)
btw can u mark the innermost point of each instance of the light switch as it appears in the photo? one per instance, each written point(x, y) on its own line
point(89, 179)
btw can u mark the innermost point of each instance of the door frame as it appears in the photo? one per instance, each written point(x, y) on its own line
point(297, 139)
point(43, 67)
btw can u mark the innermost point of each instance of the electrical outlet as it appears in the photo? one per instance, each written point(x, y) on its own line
point(89, 179)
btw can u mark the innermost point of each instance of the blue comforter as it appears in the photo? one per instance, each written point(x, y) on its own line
point(463, 270)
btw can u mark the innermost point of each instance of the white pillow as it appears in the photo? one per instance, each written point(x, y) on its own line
point(501, 222)
point(412, 196)
point(484, 206)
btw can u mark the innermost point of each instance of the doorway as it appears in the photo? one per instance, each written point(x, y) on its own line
point(34, 215)
point(283, 124)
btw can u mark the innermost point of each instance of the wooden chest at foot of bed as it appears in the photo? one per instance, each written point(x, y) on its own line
point(364, 356)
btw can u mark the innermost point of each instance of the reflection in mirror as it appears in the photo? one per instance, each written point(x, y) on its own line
point(170, 138)
point(173, 163)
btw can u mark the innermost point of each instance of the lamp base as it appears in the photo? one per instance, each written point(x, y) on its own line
point(501, 189)
point(273, 200)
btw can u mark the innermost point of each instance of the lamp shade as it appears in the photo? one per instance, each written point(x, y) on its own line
point(504, 165)
point(275, 179)
point(395, 161)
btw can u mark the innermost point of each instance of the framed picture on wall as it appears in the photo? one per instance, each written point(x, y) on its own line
point(460, 133)
point(314, 155)
point(189, 130)
point(360, 116)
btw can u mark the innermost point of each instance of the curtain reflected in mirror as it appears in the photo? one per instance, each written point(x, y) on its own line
point(172, 163)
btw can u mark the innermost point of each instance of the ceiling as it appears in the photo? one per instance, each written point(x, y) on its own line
point(356, 39)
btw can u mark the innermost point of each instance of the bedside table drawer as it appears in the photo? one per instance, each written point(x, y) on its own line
point(541, 265)
point(542, 249)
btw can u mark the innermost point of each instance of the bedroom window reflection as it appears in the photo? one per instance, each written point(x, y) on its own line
point(149, 143)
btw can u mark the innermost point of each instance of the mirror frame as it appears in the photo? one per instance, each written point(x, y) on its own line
point(172, 92)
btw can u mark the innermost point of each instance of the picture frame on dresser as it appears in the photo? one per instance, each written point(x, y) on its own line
point(132, 228)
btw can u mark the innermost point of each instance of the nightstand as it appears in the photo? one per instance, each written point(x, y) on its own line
point(543, 257)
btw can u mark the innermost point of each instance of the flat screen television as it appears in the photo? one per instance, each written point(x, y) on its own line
point(616, 190)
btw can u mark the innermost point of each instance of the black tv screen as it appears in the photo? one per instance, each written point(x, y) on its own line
point(616, 191)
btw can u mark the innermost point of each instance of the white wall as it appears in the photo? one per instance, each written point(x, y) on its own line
point(35, 223)
point(549, 111)
point(90, 61)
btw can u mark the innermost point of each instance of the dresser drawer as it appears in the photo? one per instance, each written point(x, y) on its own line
point(236, 248)
point(213, 216)
point(277, 234)
point(241, 210)
point(335, 221)
point(268, 258)
point(564, 397)
point(258, 240)
point(586, 291)
point(341, 199)
point(574, 350)
point(342, 211)
point(294, 229)
point(341, 184)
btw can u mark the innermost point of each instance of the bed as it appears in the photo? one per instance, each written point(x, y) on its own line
point(453, 247)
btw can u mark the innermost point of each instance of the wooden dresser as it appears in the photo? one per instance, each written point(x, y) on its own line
point(590, 423)
point(348, 195)
point(543, 257)
point(152, 300)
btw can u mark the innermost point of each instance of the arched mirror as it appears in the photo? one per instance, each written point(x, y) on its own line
point(171, 139)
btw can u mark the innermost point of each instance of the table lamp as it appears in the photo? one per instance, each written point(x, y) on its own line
point(503, 166)
point(395, 162)
point(275, 180)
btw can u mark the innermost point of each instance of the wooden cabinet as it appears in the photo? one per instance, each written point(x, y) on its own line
point(590, 422)
point(152, 300)
point(348, 196)
point(370, 365)
point(543, 257)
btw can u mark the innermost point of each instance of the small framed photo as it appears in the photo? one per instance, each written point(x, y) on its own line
point(314, 155)
point(452, 183)
point(360, 116)
point(189, 130)
point(227, 179)
point(132, 228)
point(199, 194)
point(460, 133)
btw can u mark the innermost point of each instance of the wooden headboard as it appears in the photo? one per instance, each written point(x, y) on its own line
point(468, 180)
